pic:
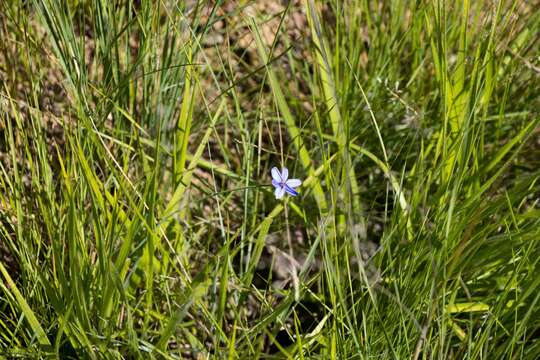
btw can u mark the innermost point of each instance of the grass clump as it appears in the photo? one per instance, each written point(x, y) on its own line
point(137, 219)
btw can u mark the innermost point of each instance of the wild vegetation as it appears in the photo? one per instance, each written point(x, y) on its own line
point(137, 213)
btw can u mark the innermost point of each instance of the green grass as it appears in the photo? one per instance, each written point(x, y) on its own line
point(137, 218)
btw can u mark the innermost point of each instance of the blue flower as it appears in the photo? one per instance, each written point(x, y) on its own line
point(283, 184)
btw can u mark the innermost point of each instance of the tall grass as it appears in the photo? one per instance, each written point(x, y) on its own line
point(137, 220)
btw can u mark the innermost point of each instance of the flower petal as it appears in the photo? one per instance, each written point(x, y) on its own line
point(276, 175)
point(284, 174)
point(294, 183)
point(290, 190)
point(276, 183)
point(280, 191)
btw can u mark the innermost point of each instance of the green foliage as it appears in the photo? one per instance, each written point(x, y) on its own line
point(136, 216)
